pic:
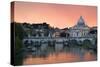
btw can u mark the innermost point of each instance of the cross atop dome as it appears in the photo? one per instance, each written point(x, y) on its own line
point(81, 21)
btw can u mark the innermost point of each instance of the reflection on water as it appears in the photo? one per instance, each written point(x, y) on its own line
point(51, 55)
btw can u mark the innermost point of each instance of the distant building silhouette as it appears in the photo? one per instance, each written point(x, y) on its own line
point(80, 29)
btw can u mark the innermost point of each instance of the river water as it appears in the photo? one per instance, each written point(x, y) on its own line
point(52, 55)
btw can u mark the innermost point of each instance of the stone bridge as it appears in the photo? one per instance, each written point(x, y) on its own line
point(57, 41)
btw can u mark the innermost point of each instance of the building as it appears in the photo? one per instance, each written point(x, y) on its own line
point(38, 30)
point(80, 29)
point(93, 31)
point(44, 34)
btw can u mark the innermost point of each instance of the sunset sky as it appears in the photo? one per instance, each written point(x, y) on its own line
point(57, 15)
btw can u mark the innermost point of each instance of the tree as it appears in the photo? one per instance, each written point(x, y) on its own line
point(87, 44)
point(18, 30)
point(63, 34)
point(19, 35)
point(73, 43)
point(93, 32)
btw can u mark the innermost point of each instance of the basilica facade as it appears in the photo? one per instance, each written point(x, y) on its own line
point(80, 29)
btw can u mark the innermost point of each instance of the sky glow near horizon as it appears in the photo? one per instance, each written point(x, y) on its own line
point(57, 15)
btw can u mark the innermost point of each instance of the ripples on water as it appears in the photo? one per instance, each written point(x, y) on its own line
point(50, 55)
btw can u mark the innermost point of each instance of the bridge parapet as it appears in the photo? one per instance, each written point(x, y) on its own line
point(56, 39)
